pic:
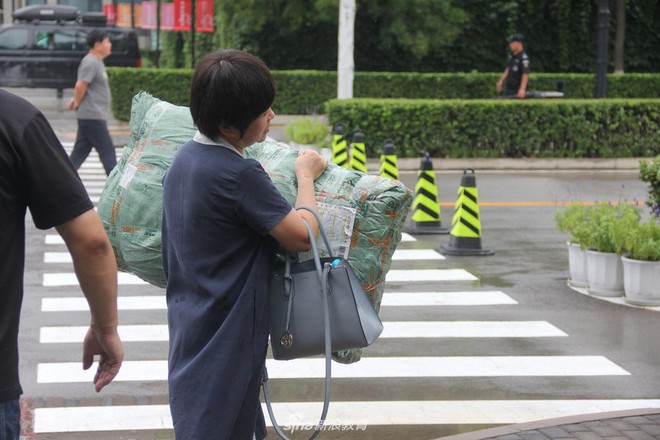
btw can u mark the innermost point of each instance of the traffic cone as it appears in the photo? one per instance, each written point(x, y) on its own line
point(358, 153)
point(388, 166)
point(339, 147)
point(465, 236)
point(426, 209)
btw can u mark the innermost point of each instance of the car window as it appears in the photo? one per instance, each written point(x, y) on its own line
point(118, 40)
point(14, 39)
point(56, 39)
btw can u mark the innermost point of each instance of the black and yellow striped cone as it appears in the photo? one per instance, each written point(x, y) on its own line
point(426, 209)
point(465, 238)
point(358, 153)
point(388, 165)
point(339, 147)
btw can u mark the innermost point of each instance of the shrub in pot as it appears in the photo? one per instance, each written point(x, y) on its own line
point(596, 234)
point(649, 172)
point(640, 247)
point(567, 220)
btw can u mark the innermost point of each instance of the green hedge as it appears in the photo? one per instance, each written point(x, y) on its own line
point(504, 128)
point(306, 91)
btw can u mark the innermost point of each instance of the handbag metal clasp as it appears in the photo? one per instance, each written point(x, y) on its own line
point(286, 340)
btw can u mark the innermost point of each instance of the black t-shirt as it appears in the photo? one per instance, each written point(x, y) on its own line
point(517, 64)
point(35, 173)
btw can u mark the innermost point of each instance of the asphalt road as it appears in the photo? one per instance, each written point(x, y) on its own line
point(529, 267)
point(512, 344)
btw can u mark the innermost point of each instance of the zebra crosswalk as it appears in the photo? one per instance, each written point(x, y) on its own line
point(402, 358)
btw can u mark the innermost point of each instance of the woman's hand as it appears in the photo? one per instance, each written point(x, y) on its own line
point(309, 164)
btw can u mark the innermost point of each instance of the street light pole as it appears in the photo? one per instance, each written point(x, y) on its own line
point(345, 61)
point(602, 42)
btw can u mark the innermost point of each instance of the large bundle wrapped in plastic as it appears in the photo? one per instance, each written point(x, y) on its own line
point(131, 203)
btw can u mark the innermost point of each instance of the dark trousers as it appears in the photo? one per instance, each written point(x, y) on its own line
point(94, 133)
point(10, 420)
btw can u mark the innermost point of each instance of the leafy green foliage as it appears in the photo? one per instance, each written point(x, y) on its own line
point(649, 172)
point(569, 218)
point(308, 131)
point(504, 128)
point(602, 223)
point(306, 91)
point(640, 241)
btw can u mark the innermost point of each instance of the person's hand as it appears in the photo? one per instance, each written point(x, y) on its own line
point(72, 104)
point(104, 342)
point(309, 163)
point(498, 86)
point(521, 94)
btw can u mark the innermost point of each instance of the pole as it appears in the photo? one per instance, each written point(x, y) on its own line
point(602, 42)
point(345, 62)
point(192, 33)
point(158, 33)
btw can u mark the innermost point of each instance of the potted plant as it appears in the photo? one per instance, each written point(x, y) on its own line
point(649, 172)
point(596, 234)
point(640, 247)
point(567, 220)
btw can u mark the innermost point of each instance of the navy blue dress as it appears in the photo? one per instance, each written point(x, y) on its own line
point(218, 208)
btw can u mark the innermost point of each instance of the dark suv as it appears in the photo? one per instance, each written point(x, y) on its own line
point(46, 43)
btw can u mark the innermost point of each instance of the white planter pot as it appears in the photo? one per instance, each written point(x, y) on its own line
point(605, 274)
point(577, 265)
point(641, 282)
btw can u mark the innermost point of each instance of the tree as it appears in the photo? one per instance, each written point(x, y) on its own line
point(399, 34)
point(619, 39)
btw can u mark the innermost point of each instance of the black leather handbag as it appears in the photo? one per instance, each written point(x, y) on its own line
point(317, 307)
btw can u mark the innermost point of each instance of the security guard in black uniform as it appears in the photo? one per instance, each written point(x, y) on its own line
point(516, 75)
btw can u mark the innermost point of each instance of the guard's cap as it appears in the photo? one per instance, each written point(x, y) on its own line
point(516, 37)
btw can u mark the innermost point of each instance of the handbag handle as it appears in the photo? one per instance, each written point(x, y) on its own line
point(323, 275)
point(321, 229)
point(288, 285)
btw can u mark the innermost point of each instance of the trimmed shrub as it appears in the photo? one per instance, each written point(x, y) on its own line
point(505, 128)
point(306, 91)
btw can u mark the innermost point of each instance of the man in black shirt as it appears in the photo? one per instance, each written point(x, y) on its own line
point(516, 75)
point(36, 173)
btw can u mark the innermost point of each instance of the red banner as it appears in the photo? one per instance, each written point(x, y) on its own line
point(124, 15)
point(167, 16)
point(109, 12)
point(182, 10)
point(149, 14)
point(204, 16)
point(125, 12)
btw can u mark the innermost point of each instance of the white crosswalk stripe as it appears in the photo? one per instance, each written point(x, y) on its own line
point(69, 279)
point(358, 414)
point(392, 329)
point(446, 294)
point(387, 367)
point(399, 299)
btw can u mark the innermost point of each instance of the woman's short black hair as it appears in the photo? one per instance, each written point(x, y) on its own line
point(229, 87)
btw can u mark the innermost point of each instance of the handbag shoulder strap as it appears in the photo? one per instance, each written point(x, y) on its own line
point(323, 274)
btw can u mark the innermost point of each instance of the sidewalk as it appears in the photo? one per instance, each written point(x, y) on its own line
point(639, 424)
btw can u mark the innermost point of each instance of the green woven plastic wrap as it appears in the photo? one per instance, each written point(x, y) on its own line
point(131, 203)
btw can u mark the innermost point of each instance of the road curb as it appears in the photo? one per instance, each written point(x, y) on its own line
point(547, 423)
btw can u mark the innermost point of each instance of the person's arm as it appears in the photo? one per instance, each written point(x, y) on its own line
point(96, 269)
point(522, 91)
point(500, 83)
point(291, 231)
point(79, 92)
